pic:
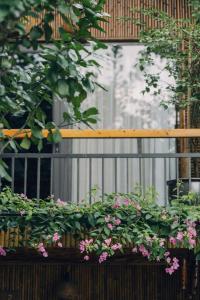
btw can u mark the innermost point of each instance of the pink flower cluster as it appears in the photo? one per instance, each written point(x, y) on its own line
point(117, 246)
point(173, 265)
point(142, 249)
point(112, 222)
point(60, 203)
point(42, 250)
point(151, 240)
point(189, 235)
point(103, 257)
point(84, 247)
point(2, 252)
point(56, 239)
point(24, 196)
point(108, 244)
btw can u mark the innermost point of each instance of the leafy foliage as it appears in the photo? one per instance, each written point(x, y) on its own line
point(36, 68)
point(178, 42)
point(120, 222)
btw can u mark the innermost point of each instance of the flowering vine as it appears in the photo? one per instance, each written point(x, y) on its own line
point(120, 223)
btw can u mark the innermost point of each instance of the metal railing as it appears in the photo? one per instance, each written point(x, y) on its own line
point(75, 176)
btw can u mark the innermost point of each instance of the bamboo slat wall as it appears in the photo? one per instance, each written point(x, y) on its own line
point(26, 275)
point(94, 282)
point(117, 30)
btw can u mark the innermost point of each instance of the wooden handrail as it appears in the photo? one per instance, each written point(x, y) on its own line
point(113, 133)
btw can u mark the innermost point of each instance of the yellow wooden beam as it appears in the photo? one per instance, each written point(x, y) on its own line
point(113, 133)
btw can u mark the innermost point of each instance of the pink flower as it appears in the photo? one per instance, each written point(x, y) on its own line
point(138, 207)
point(175, 263)
point(135, 250)
point(158, 258)
point(144, 251)
point(108, 242)
point(170, 270)
point(172, 240)
point(45, 254)
point(116, 246)
point(85, 244)
point(22, 212)
point(103, 257)
point(60, 203)
point(162, 242)
point(86, 257)
point(110, 226)
point(82, 246)
point(117, 204)
point(2, 251)
point(168, 260)
point(179, 236)
point(60, 245)
point(42, 250)
point(148, 239)
point(56, 237)
point(107, 218)
point(117, 221)
point(166, 254)
point(192, 232)
point(192, 242)
point(126, 202)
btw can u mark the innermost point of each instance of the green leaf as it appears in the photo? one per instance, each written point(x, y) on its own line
point(47, 32)
point(65, 36)
point(91, 220)
point(25, 143)
point(37, 133)
point(63, 88)
point(3, 172)
point(56, 136)
point(36, 33)
point(148, 216)
point(72, 54)
point(106, 230)
point(40, 145)
point(90, 111)
point(49, 17)
point(13, 145)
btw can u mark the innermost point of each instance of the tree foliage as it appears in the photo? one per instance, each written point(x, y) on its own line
point(36, 68)
point(177, 41)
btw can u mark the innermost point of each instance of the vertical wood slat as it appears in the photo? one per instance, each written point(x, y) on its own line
point(119, 30)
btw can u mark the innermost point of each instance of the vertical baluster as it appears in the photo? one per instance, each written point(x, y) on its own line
point(13, 174)
point(153, 173)
point(78, 183)
point(139, 151)
point(102, 182)
point(25, 174)
point(51, 174)
point(90, 180)
point(115, 175)
point(165, 181)
point(189, 171)
point(177, 177)
point(127, 175)
point(38, 176)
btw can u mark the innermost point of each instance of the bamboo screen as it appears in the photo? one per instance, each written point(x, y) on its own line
point(125, 31)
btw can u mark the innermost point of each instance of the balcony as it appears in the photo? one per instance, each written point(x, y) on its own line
point(81, 174)
point(91, 167)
